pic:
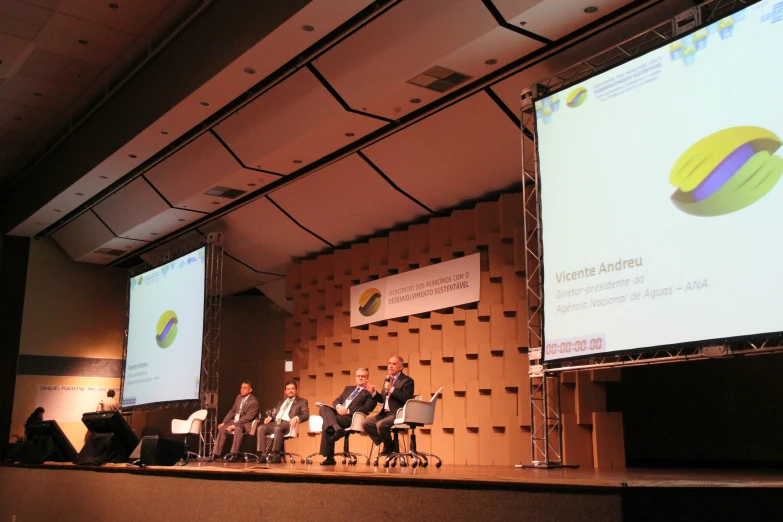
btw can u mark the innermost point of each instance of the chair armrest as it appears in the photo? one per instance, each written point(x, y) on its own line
point(253, 427)
point(180, 427)
point(357, 421)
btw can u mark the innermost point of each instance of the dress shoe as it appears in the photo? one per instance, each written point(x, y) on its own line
point(275, 459)
point(232, 457)
point(329, 461)
point(212, 458)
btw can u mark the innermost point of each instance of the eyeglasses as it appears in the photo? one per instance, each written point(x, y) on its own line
point(361, 376)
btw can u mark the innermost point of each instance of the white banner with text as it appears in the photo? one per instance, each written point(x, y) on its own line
point(434, 287)
point(67, 402)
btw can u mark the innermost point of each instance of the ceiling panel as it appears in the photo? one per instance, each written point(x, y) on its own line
point(554, 19)
point(262, 236)
point(83, 235)
point(161, 224)
point(298, 120)
point(37, 94)
point(15, 51)
point(62, 35)
point(128, 17)
point(24, 12)
point(370, 69)
point(237, 276)
point(44, 65)
point(275, 290)
point(132, 205)
point(346, 200)
point(458, 154)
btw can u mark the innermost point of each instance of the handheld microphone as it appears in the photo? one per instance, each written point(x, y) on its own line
point(388, 378)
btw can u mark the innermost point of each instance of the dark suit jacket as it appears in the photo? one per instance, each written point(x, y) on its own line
point(362, 403)
point(403, 391)
point(247, 414)
point(298, 409)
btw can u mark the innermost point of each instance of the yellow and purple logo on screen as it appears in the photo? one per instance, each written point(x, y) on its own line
point(166, 330)
point(576, 97)
point(726, 171)
point(370, 302)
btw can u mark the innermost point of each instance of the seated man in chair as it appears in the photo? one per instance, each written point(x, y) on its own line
point(397, 390)
point(353, 399)
point(237, 421)
point(291, 411)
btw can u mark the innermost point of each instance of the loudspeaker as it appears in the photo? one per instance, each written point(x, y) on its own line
point(156, 451)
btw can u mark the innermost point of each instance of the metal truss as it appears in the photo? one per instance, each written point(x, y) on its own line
point(213, 306)
point(546, 422)
point(210, 358)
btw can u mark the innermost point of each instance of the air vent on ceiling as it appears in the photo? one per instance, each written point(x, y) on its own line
point(109, 252)
point(439, 79)
point(225, 192)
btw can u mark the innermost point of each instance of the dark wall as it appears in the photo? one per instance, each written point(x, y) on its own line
point(723, 412)
point(14, 253)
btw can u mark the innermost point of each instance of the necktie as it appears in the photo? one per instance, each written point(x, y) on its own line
point(352, 396)
point(283, 410)
point(391, 389)
point(241, 405)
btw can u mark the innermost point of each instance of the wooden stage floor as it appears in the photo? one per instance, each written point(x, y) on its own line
point(495, 477)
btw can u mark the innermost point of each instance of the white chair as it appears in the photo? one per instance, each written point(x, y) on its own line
point(191, 426)
point(349, 457)
point(415, 414)
point(316, 427)
point(293, 433)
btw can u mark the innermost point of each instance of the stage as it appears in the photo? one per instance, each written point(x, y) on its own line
point(208, 491)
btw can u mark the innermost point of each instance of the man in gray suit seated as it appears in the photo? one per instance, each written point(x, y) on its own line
point(237, 421)
point(291, 411)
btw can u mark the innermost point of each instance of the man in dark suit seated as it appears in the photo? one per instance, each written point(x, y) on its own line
point(353, 399)
point(291, 411)
point(397, 389)
point(237, 421)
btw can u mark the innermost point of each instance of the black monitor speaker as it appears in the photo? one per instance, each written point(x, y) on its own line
point(62, 449)
point(156, 451)
point(112, 422)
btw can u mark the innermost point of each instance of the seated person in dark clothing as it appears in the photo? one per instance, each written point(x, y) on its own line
point(36, 416)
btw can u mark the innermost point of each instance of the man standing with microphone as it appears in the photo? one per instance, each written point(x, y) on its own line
point(397, 390)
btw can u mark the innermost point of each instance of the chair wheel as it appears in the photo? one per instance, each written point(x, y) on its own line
point(368, 462)
point(303, 461)
point(309, 460)
point(425, 464)
point(293, 461)
point(438, 465)
point(385, 464)
point(343, 461)
point(403, 464)
point(394, 464)
point(414, 464)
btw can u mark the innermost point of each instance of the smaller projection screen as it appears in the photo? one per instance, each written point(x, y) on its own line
point(661, 201)
point(165, 330)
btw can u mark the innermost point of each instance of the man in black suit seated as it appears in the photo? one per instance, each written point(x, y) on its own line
point(291, 411)
point(353, 399)
point(397, 390)
point(237, 421)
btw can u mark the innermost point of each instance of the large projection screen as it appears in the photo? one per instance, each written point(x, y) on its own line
point(165, 329)
point(661, 208)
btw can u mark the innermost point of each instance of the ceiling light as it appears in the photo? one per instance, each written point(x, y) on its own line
point(165, 133)
point(38, 94)
point(79, 194)
point(251, 184)
point(350, 134)
point(114, 6)
point(522, 23)
point(133, 156)
point(83, 42)
point(216, 203)
point(18, 118)
point(297, 161)
point(153, 233)
point(57, 210)
point(180, 219)
point(591, 9)
point(308, 28)
point(38, 223)
point(491, 61)
point(415, 100)
point(250, 70)
point(103, 177)
point(204, 104)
